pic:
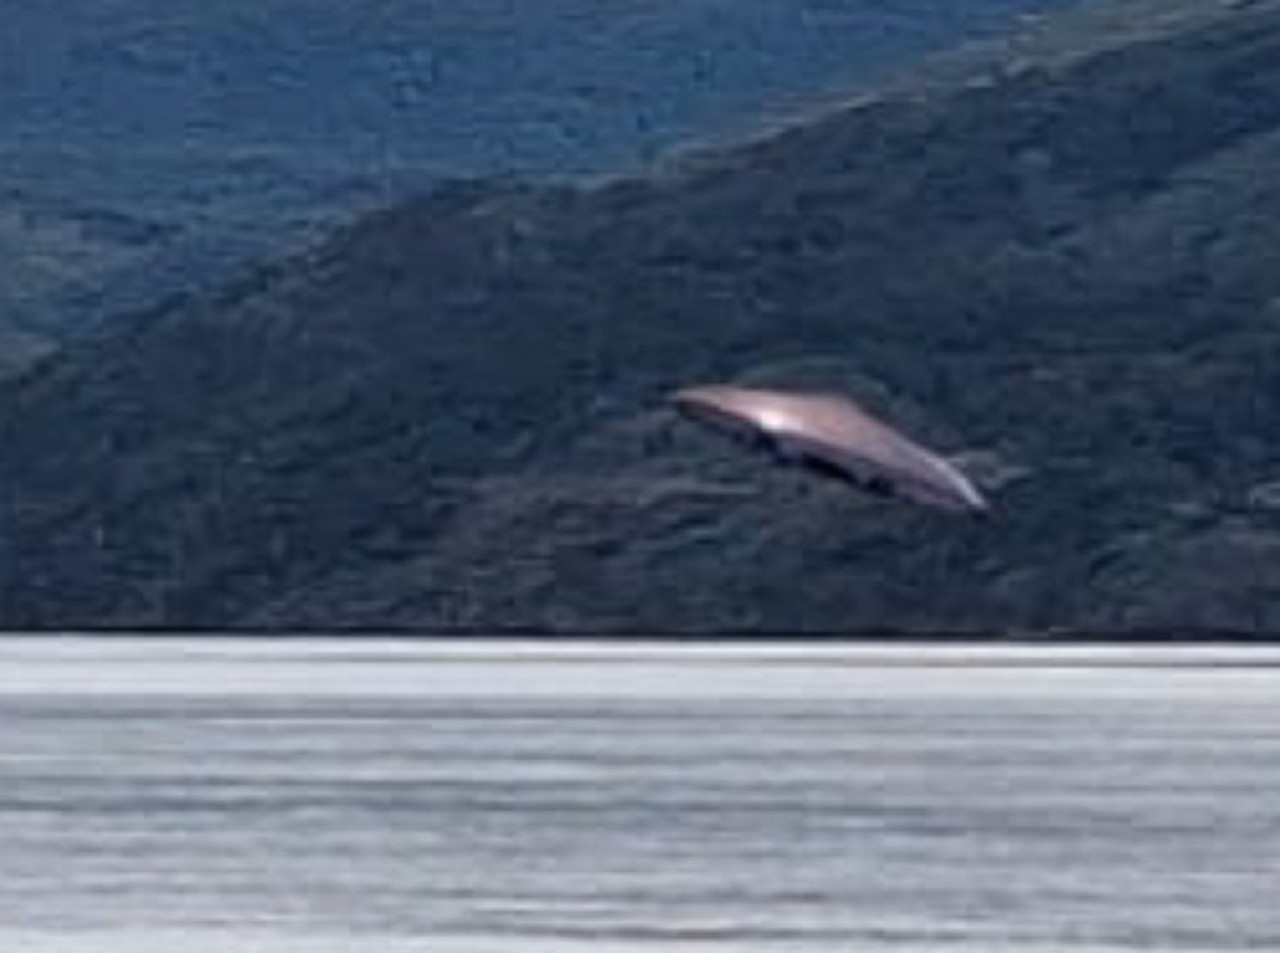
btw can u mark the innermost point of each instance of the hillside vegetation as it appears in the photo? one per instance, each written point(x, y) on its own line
point(1062, 266)
point(154, 147)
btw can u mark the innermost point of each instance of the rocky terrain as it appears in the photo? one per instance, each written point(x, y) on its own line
point(1060, 264)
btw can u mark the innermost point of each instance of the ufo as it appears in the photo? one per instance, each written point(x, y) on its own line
point(831, 434)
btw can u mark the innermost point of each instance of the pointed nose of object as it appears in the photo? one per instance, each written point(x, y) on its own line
point(970, 496)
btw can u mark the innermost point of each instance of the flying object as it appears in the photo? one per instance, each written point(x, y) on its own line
point(833, 434)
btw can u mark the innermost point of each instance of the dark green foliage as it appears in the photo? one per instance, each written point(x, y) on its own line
point(150, 147)
point(452, 416)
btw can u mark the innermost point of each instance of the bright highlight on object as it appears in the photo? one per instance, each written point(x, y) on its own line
point(832, 433)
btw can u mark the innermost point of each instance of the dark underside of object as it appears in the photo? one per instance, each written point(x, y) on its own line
point(879, 485)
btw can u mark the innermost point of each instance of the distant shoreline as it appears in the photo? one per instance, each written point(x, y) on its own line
point(1046, 639)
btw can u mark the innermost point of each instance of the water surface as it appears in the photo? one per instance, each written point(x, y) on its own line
point(403, 796)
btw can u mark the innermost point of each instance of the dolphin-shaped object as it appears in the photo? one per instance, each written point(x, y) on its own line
point(834, 434)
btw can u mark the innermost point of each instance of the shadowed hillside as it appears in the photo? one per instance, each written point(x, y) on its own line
point(150, 147)
point(1063, 267)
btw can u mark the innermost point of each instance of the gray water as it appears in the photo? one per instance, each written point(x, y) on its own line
point(398, 796)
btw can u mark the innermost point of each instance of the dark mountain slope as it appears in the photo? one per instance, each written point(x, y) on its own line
point(451, 416)
point(149, 146)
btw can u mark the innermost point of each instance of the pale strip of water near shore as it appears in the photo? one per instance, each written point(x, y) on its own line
point(352, 666)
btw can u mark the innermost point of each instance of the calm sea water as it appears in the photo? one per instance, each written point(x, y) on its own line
point(398, 796)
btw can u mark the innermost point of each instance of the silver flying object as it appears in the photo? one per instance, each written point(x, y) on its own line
point(836, 435)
